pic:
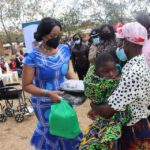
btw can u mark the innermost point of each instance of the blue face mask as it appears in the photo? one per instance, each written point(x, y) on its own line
point(96, 41)
point(77, 42)
point(121, 54)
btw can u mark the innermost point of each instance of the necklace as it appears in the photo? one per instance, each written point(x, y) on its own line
point(45, 48)
point(49, 52)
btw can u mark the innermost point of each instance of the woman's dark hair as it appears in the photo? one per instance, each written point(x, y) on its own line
point(103, 58)
point(44, 28)
point(110, 27)
point(77, 34)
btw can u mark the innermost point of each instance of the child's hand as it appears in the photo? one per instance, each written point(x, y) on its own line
point(92, 115)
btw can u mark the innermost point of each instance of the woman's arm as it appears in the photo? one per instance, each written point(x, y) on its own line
point(27, 83)
point(127, 91)
point(71, 74)
point(103, 110)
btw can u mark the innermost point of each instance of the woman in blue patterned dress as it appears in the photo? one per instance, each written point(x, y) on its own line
point(45, 68)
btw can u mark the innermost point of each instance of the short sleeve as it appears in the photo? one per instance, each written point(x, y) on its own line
point(29, 59)
point(65, 48)
point(127, 91)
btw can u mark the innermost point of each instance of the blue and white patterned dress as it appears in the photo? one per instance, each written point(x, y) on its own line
point(50, 72)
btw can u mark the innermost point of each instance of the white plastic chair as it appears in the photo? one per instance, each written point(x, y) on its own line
point(14, 73)
point(7, 76)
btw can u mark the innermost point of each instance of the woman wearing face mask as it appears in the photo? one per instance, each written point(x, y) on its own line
point(105, 42)
point(45, 68)
point(108, 39)
point(133, 89)
point(80, 54)
point(95, 39)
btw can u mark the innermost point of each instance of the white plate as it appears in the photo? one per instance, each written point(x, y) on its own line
point(73, 86)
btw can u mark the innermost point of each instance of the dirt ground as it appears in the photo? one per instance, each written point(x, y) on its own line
point(16, 136)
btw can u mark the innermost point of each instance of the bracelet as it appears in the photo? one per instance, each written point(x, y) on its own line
point(44, 92)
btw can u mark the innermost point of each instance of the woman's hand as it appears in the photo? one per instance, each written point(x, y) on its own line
point(55, 96)
point(103, 110)
point(27, 82)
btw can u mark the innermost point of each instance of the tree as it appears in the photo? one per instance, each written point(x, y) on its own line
point(139, 6)
point(15, 12)
point(70, 20)
point(4, 4)
point(103, 11)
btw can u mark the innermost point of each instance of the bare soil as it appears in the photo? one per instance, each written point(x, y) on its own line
point(16, 136)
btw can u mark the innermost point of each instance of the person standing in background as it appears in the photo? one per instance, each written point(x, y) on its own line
point(108, 39)
point(18, 61)
point(95, 43)
point(102, 43)
point(12, 64)
point(21, 56)
point(80, 54)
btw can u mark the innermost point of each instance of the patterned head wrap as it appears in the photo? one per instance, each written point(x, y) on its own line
point(134, 32)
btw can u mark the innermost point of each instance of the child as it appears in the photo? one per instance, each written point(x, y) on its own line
point(100, 81)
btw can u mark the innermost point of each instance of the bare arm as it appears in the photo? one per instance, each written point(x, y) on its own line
point(104, 110)
point(123, 95)
point(27, 83)
point(71, 74)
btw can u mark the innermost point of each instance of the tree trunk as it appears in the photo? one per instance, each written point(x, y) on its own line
point(7, 34)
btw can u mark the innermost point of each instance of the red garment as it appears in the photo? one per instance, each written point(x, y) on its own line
point(13, 65)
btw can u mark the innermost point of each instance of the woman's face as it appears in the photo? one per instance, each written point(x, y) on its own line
point(122, 51)
point(122, 43)
point(108, 70)
point(106, 30)
point(76, 38)
point(52, 39)
point(55, 32)
point(96, 40)
point(106, 33)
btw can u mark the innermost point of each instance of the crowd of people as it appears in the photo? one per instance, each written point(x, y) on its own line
point(85, 50)
point(14, 64)
point(116, 76)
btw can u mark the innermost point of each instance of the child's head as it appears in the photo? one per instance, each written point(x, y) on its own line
point(105, 66)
